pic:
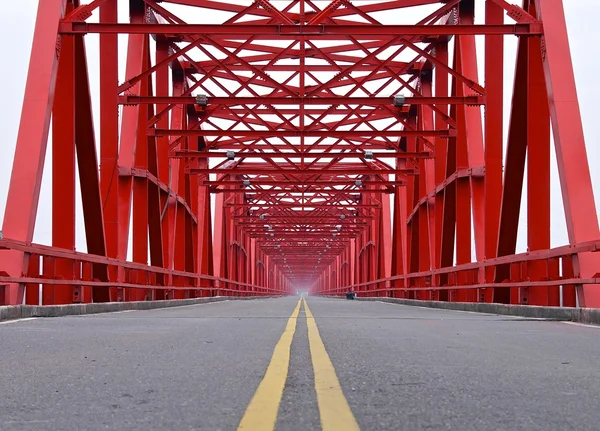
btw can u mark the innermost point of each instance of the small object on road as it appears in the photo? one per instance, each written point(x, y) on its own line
point(350, 295)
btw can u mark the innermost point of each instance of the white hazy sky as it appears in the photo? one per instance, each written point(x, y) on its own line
point(17, 32)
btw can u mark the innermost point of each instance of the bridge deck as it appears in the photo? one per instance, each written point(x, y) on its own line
point(197, 367)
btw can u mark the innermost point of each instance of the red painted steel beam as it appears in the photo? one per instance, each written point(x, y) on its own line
point(306, 101)
point(248, 169)
point(297, 31)
point(375, 7)
point(577, 191)
point(198, 68)
point(143, 173)
point(298, 219)
point(109, 137)
point(312, 184)
point(314, 111)
point(63, 172)
point(253, 134)
point(26, 178)
point(293, 155)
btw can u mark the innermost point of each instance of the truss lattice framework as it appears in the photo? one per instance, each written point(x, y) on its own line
point(301, 118)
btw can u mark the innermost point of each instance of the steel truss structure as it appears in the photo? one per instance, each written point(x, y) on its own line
point(258, 147)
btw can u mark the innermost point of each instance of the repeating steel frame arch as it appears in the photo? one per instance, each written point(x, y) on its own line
point(337, 151)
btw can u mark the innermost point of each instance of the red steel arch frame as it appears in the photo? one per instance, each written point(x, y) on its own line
point(300, 119)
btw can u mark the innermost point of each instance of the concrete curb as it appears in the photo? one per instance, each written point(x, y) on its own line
point(27, 311)
point(580, 315)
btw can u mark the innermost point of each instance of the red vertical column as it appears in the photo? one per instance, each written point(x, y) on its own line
point(109, 140)
point(571, 156)
point(139, 184)
point(32, 291)
point(155, 158)
point(374, 239)
point(63, 172)
point(463, 190)
point(252, 267)
point(177, 212)
point(473, 138)
point(353, 262)
point(398, 266)
point(427, 169)
point(494, 85)
point(440, 160)
point(165, 174)
point(205, 253)
point(89, 179)
point(32, 140)
point(449, 205)
point(426, 186)
point(219, 239)
point(538, 178)
point(516, 150)
point(412, 216)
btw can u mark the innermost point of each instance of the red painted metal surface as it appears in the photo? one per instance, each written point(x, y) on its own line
point(260, 148)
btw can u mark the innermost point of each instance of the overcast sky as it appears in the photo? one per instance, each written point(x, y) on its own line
point(17, 32)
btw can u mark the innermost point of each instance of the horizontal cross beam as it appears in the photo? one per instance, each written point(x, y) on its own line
point(302, 155)
point(252, 134)
point(312, 31)
point(272, 100)
point(299, 174)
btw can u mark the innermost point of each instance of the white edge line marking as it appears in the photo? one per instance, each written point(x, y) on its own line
point(150, 309)
point(461, 311)
point(585, 325)
point(6, 322)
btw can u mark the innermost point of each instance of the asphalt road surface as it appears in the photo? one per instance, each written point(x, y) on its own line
point(262, 364)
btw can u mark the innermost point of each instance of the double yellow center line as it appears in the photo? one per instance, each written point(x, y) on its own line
point(334, 411)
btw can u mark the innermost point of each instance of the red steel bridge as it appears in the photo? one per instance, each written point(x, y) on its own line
point(261, 147)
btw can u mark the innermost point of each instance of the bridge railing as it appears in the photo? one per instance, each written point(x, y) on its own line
point(546, 277)
point(85, 274)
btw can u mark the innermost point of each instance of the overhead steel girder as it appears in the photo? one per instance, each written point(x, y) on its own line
point(308, 187)
point(348, 207)
point(252, 134)
point(196, 69)
point(296, 219)
point(295, 184)
point(309, 154)
point(260, 32)
point(299, 174)
point(305, 101)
